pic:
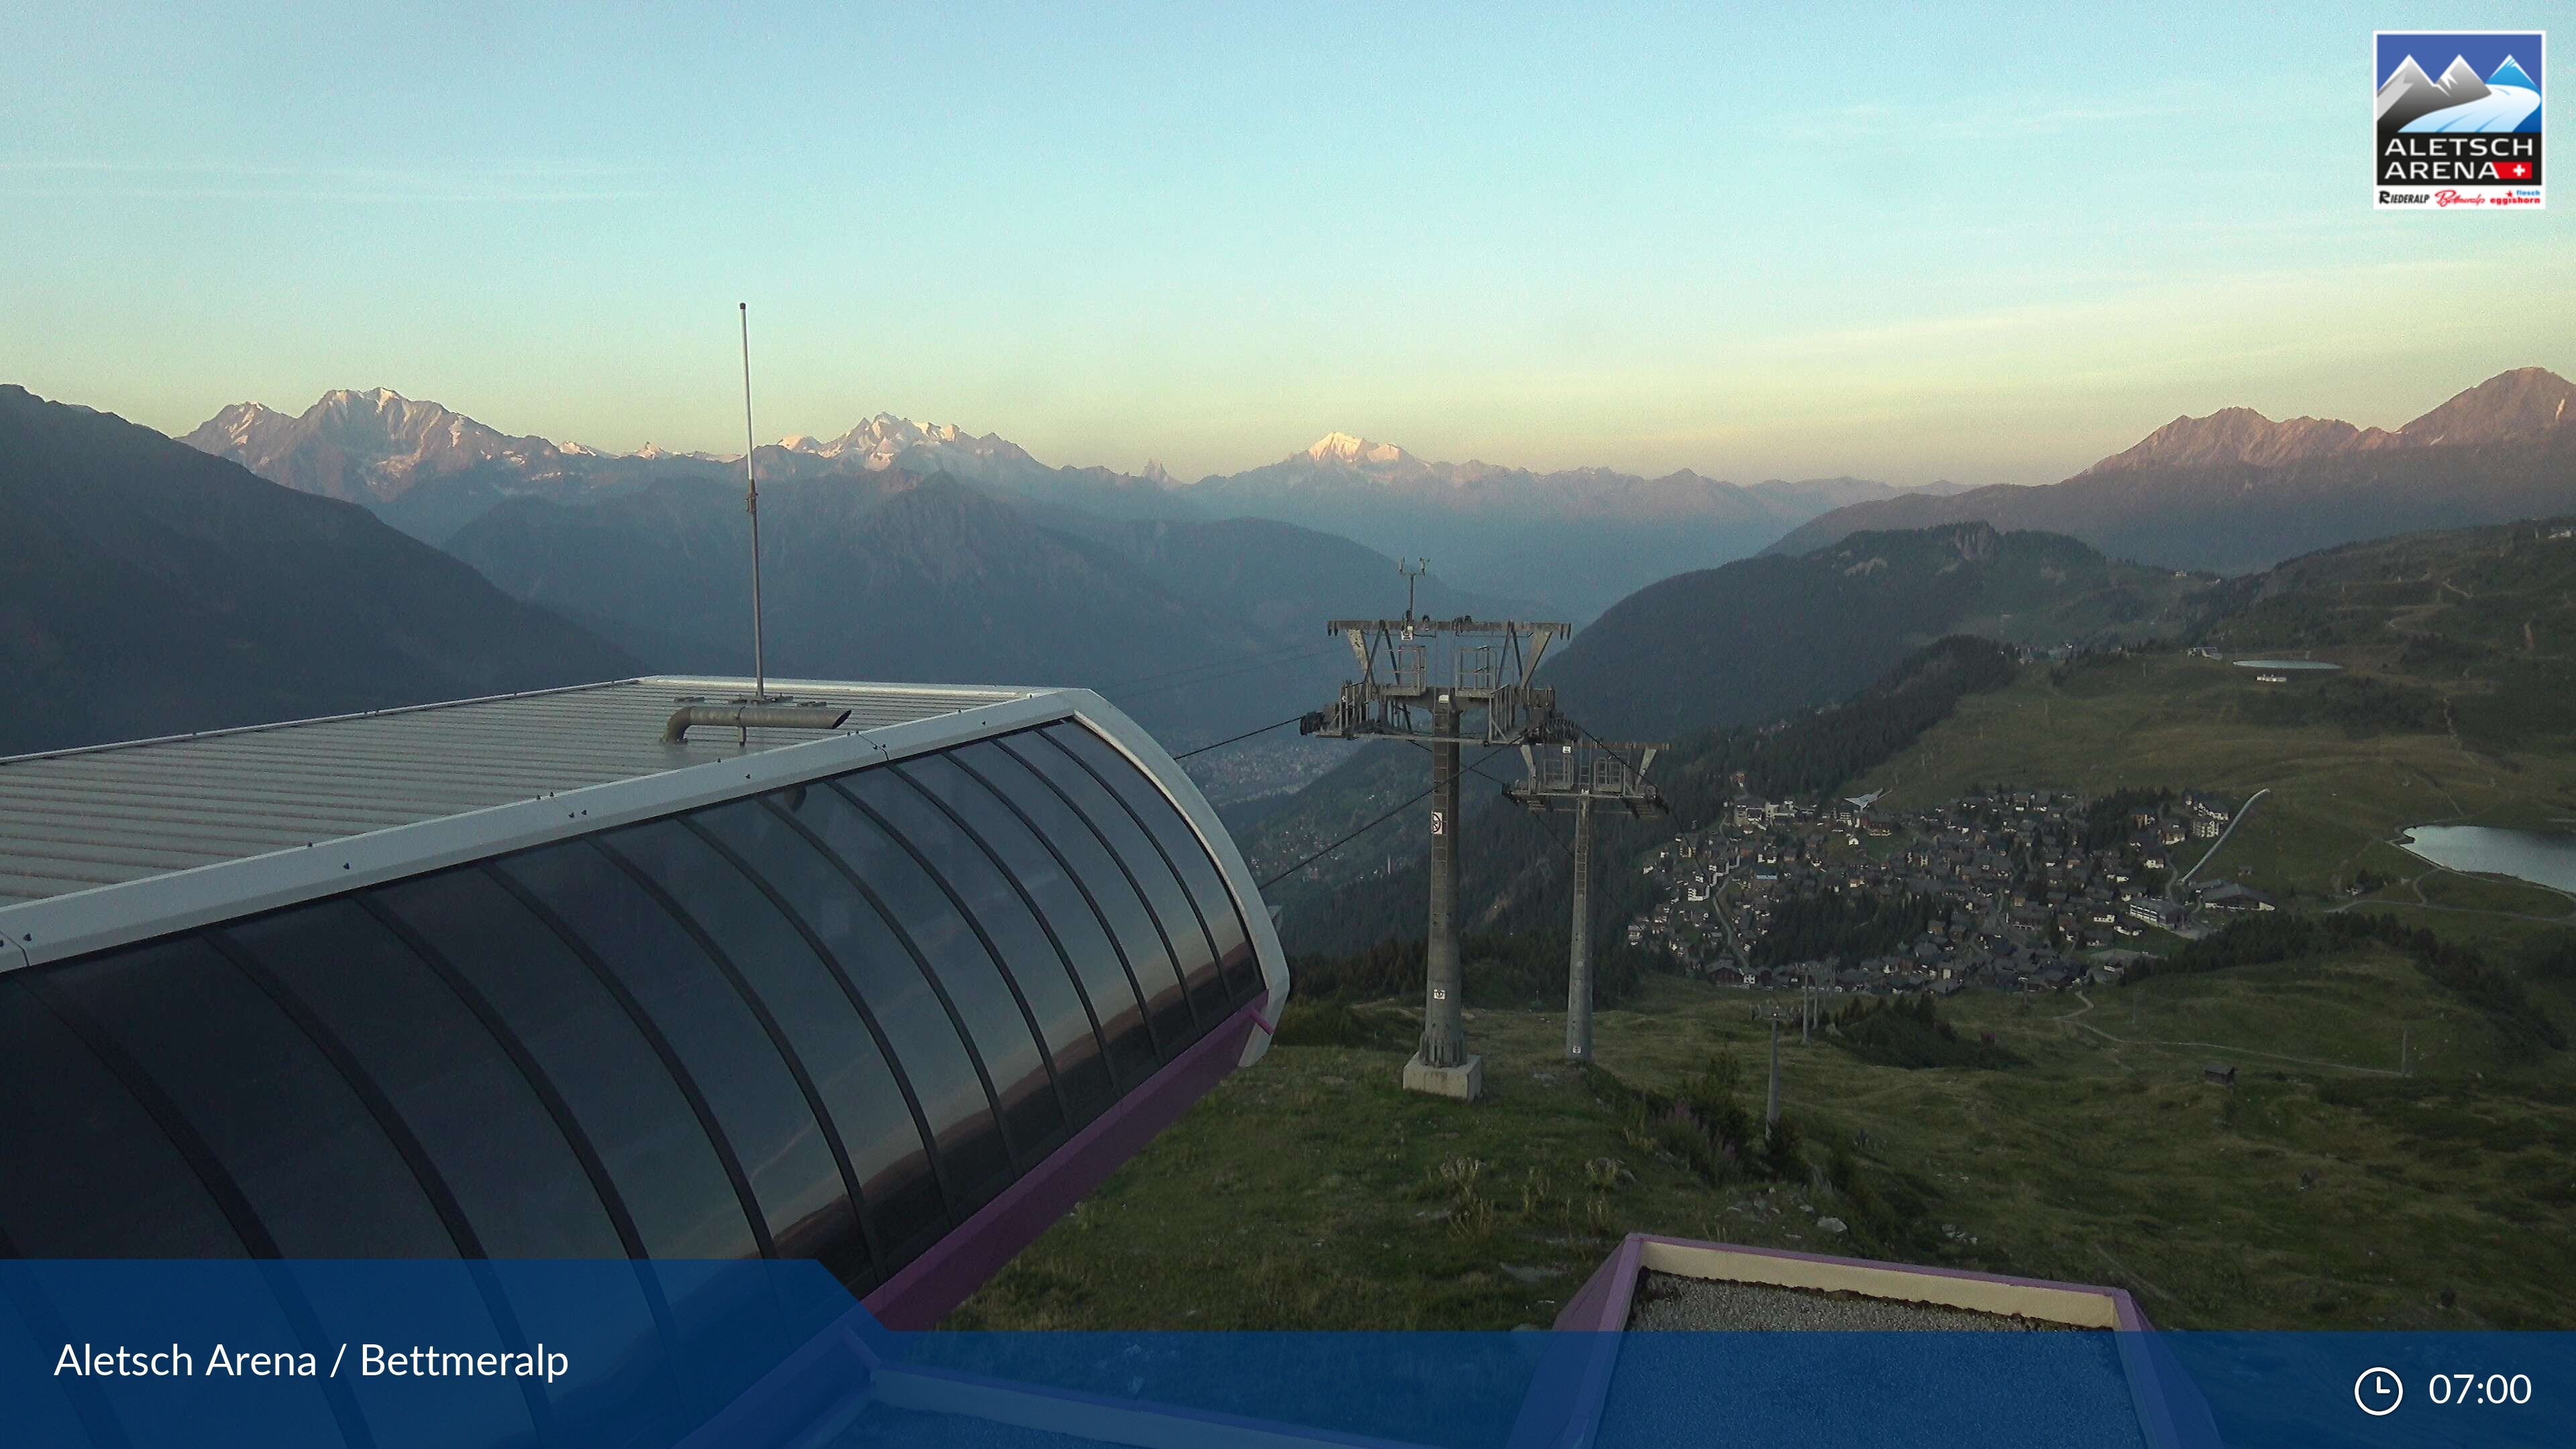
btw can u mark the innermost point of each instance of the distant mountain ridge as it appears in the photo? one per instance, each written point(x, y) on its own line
point(2235, 491)
point(146, 588)
point(430, 471)
point(1578, 538)
point(366, 447)
point(1201, 629)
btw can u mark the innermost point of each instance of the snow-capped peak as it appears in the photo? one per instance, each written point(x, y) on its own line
point(2460, 76)
point(650, 451)
point(1347, 448)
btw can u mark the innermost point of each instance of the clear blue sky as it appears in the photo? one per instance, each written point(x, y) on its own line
point(1897, 242)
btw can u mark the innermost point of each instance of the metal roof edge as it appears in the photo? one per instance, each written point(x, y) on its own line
point(57, 927)
point(999, 692)
point(69, 751)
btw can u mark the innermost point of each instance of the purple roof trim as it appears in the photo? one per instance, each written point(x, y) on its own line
point(925, 1290)
point(1603, 1303)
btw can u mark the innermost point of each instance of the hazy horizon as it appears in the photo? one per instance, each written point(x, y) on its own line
point(829, 434)
point(1899, 247)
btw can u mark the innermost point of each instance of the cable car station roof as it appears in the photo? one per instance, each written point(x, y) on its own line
point(72, 820)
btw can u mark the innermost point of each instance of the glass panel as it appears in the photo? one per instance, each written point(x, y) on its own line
point(84, 1172)
point(651, 1143)
point(502, 1154)
point(1032, 1120)
point(917, 1028)
point(307, 1154)
point(1043, 975)
point(500, 1150)
point(1188, 853)
point(840, 1055)
point(1131, 920)
point(719, 1042)
point(1076, 926)
point(1136, 851)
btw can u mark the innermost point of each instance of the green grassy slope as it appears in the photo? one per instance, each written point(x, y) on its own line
point(2321, 1192)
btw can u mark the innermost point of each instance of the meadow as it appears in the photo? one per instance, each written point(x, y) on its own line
point(2323, 1190)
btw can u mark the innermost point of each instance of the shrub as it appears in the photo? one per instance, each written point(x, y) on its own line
point(1782, 1154)
point(1909, 1032)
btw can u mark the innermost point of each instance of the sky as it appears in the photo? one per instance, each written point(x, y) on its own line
point(1906, 242)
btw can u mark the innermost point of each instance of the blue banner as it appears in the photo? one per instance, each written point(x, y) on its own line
point(653, 1355)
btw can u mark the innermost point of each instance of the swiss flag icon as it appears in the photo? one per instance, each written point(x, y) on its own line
point(2513, 170)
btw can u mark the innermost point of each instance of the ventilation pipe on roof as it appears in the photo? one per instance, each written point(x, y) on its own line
point(752, 717)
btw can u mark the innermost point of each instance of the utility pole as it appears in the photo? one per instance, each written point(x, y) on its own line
point(1444, 1030)
point(1420, 680)
point(1578, 956)
point(1577, 776)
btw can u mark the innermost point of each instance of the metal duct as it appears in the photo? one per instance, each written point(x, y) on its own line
point(752, 717)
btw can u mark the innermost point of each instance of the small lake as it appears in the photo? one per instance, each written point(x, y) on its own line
point(2285, 664)
point(2540, 857)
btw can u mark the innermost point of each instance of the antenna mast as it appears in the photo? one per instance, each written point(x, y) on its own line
point(1411, 571)
point(751, 506)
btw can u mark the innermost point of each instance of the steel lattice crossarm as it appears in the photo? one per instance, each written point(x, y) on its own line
point(1409, 666)
point(1608, 773)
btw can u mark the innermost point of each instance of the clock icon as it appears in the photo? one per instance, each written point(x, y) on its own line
point(2378, 1392)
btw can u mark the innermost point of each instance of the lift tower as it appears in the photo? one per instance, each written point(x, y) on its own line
point(1420, 681)
point(1576, 776)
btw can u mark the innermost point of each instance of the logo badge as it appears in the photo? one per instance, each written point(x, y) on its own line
point(2455, 120)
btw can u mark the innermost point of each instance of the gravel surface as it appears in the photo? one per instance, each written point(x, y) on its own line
point(1665, 1301)
point(1895, 1388)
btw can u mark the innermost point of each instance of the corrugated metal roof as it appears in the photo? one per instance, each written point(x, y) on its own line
point(74, 819)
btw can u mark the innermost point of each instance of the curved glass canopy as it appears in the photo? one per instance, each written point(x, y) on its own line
point(831, 1021)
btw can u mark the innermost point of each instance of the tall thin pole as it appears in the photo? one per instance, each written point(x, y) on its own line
point(751, 506)
point(1444, 1032)
point(1578, 963)
point(1580, 950)
point(1771, 1101)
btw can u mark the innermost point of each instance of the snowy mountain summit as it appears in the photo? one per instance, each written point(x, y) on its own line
point(1345, 448)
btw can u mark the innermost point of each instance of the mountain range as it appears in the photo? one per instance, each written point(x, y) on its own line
point(1201, 629)
point(2236, 491)
point(146, 588)
point(930, 552)
point(1580, 539)
point(1571, 541)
